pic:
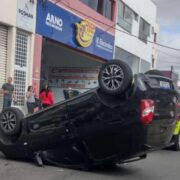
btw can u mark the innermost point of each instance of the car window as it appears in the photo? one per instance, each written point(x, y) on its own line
point(160, 82)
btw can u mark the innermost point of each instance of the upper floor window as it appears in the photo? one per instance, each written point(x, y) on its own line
point(131, 59)
point(144, 30)
point(126, 16)
point(103, 7)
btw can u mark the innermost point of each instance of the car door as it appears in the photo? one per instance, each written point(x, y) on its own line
point(49, 127)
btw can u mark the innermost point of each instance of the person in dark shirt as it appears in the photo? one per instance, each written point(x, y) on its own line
point(8, 92)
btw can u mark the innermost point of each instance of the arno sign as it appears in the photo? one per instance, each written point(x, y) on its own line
point(54, 22)
point(60, 25)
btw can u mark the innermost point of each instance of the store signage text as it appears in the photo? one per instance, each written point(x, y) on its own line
point(54, 22)
point(85, 32)
point(25, 13)
point(100, 43)
point(25, 16)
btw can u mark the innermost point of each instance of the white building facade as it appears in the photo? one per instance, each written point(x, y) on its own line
point(136, 26)
point(17, 28)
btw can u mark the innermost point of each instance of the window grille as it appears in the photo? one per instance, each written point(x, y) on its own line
point(20, 74)
point(20, 85)
point(21, 49)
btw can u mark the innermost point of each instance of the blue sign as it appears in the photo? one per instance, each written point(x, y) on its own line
point(58, 24)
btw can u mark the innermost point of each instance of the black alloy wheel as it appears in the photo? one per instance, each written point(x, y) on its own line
point(10, 121)
point(115, 77)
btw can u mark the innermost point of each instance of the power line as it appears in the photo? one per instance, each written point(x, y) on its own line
point(170, 55)
point(158, 44)
point(168, 62)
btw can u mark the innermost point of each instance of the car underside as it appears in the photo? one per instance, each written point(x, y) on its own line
point(120, 121)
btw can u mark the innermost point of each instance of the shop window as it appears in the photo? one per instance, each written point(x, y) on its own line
point(144, 30)
point(126, 16)
point(103, 7)
point(130, 59)
point(144, 66)
point(20, 66)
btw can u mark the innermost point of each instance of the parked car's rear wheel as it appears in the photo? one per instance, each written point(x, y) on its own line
point(10, 121)
point(115, 77)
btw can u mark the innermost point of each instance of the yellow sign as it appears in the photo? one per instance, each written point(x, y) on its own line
point(85, 32)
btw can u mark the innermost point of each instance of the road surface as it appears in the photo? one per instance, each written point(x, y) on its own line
point(160, 165)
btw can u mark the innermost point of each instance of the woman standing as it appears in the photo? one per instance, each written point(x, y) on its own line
point(30, 96)
point(47, 97)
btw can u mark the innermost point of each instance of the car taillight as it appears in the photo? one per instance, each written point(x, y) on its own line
point(147, 111)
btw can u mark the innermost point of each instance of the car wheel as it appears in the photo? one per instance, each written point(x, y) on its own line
point(176, 145)
point(154, 72)
point(10, 121)
point(115, 77)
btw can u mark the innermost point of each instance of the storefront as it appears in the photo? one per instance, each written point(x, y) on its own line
point(17, 29)
point(23, 49)
point(72, 50)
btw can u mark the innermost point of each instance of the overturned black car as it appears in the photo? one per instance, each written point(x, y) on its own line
point(122, 120)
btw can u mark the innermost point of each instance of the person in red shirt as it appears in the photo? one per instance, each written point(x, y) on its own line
point(47, 97)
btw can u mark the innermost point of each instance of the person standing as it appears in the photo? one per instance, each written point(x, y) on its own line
point(8, 92)
point(30, 96)
point(47, 97)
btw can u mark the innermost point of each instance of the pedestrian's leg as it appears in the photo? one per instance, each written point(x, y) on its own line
point(39, 104)
point(5, 103)
point(9, 102)
point(30, 107)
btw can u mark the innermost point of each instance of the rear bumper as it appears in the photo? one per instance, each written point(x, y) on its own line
point(160, 132)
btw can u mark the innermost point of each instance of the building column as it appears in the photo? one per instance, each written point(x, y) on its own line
point(37, 63)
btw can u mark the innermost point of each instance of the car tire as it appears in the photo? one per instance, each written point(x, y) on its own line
point(10, 121)
point(176, 145)
point(115, 77)
point(154, 72)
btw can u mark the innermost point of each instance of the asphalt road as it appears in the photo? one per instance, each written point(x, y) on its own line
point(161, 165)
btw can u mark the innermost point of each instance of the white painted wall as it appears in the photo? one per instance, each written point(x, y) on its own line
point(147, 10)
point(8, 12)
